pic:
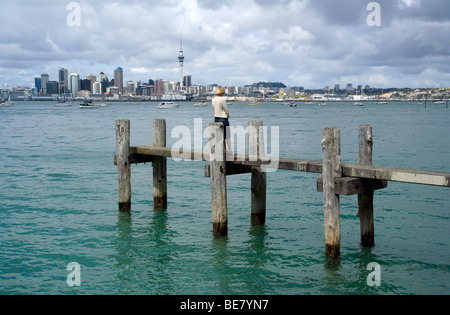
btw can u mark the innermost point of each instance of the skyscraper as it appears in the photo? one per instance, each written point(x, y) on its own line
point(38, 85)
point(93, 79)
point(181, 60)
point(187, 81)
point(74, 83)
point(118, 79)
point(159, 87)
point(63, 79)
point(104, 81)
point(44, 80)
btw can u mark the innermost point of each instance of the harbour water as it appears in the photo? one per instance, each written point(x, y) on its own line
point(59, 205)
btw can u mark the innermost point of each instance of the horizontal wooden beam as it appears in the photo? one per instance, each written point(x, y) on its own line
point(347, 186)
point(348, 170)
point(397, 174)
point(231, 169)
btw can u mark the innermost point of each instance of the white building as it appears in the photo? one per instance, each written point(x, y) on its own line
point(74, 84)
point(97, 88)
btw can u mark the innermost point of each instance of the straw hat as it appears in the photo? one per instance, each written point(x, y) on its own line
point(220, 91)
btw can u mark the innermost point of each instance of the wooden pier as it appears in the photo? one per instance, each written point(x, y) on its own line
point(337, 178)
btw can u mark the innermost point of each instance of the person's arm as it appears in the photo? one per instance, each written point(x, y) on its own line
point(225, 108)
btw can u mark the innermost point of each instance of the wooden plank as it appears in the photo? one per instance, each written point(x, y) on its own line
point(348, 170)
point(347, 186)
point(259, 176)
point(397, 174)
point(331, 156)
point(123, 163)
point(159, 166)
point(218, 179)
point(232, 169)
point(365, 199)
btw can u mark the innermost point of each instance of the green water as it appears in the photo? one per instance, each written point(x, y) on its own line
point(59, 205)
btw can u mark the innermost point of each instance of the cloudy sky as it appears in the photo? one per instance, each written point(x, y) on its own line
point(310, 43)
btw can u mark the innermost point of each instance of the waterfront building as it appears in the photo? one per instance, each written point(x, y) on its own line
point(38, 84)
point(63, 74)
point(93, 79)
point(52, 87)
point(74, 84)
point(118, 79)
point(187, 81)
point(159, 87)
point(104, 81)
point(97, 88)
point(44, 79)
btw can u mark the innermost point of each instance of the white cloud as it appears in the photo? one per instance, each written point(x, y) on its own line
point(311, 43)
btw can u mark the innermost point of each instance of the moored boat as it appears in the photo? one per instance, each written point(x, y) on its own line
point(164, 105)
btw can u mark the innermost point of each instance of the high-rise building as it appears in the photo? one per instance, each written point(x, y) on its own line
point(85, 85)
point(118, 79)
point(63, 79)
point(97, 88)
point(74, 83)
point(187, 81)
point(44, 79)
point(52, 87)
point(181, 61)
point(159, 87)
point(93, 79)
point(104, 81)
point(38, 84)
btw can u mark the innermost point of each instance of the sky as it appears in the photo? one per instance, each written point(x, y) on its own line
point(309, 43)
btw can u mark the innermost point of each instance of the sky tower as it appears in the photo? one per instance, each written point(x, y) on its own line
point(181, 60)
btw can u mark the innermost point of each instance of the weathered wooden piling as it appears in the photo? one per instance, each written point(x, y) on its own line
point(218, 174)
point(365, 200)
point(331, 158)
point(259, 176)
point(159, 166)
point(123, 163)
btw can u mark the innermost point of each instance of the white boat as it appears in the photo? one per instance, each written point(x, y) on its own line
point(438, 102)
point(63, 104)
point(7, 103)
point(92, 105)
point(200, 104)
point(164, 105)
point(292, 104)
point(89, 104)
point(322, 104)
point(359, 103)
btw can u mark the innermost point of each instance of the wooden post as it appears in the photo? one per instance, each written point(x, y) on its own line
point(123, 163)
point(159, 166)
point(331, 157)
point(365, 200)
point(259, 176)
point(218, 176)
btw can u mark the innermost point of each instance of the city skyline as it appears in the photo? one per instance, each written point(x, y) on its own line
point(297, 42)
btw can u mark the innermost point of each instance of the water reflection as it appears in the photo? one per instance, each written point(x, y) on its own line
point(143, 255)
point(241, 268)
point(219, 261)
